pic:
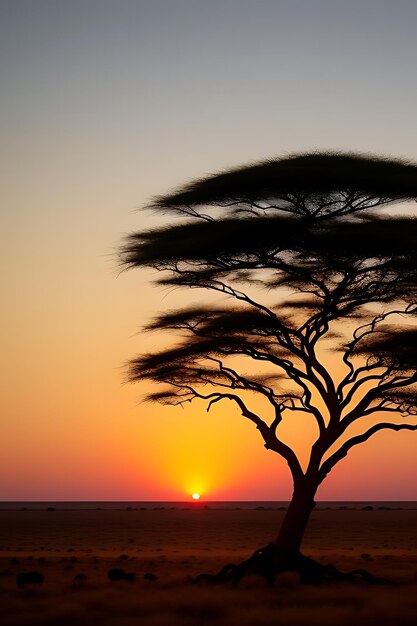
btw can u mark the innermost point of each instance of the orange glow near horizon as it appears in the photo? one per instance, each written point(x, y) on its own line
point(93, 440)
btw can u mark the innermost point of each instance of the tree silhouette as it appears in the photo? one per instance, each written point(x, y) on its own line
point(304, 252)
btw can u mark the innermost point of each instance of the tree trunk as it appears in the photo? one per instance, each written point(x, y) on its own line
point(291, 533)
point(284, 555)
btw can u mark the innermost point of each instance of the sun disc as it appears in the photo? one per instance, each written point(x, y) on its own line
point(195, 496)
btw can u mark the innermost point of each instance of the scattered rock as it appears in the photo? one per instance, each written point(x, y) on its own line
point(149, 576)
point(123, 557)
point(117, 573)
point(366, 557)
point(31, 578)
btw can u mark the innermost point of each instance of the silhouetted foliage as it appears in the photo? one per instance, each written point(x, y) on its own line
point(303, 250)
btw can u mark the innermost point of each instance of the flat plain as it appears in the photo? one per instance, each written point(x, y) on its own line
point(74, 549)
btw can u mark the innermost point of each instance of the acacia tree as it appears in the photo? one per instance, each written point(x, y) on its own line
point(303, 251)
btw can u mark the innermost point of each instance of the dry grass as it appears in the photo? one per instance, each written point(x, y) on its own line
point(178, 544)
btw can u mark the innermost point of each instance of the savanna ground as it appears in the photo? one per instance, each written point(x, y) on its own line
point(176, 545)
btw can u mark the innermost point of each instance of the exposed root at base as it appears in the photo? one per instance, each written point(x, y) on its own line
point(269, 563)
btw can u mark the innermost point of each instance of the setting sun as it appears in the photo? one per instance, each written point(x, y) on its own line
point(195, 496)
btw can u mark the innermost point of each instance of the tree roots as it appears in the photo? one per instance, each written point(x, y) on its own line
point(268, 563)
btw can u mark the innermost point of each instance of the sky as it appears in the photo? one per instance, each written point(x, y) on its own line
point(106, 104)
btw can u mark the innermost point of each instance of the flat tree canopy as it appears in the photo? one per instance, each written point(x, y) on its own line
point(306, 250)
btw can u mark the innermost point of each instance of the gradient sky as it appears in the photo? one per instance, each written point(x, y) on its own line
point(105, 104)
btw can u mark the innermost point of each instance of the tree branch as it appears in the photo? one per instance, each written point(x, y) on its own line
point(344, 449)
point(267, 432)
